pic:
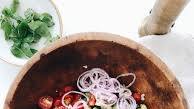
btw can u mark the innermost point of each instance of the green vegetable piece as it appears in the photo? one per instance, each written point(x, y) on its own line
point(34, 25)
point(43, 30)
point(47, 18)
point(26, 49)
point(29, 38)
point(17, 51)
point(17, 18)
point(15, 5)
point(7, 12)
point(22, 29)
point(36, 38)
point(25, 31)
point(7, 28)
point(33, 50)
point(31, 15)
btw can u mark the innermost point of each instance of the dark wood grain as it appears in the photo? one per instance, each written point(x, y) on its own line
point(63, 66)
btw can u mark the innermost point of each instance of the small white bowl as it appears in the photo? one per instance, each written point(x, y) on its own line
point(39, 6)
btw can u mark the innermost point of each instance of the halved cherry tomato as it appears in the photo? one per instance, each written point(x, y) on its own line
point(76, 97)
point(60, 107)
point(68, 99)
point(137, 97)
point(45, 102)
point(57, 102)
point(92, 100)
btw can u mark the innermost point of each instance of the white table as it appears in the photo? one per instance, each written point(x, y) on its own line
point(123, 17)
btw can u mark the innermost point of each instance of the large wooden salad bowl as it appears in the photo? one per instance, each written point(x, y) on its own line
point(62, 62)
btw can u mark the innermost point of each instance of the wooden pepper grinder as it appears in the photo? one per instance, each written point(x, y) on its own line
point(162, 17)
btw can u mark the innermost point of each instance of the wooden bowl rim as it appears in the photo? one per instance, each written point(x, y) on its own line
point(87, 36)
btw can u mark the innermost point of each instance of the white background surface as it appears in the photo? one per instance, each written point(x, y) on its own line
point(123, 17)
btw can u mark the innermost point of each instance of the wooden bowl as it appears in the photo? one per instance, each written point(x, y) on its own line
point(62, 62)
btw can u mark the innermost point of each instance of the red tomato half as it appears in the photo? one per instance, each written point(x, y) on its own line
point(137, 97)
point(45, 102)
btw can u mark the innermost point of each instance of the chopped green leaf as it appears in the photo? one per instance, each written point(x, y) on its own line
point(22, 29)
point(17, 18)
point(25, 31)
point(31, 15)
point(33, 50)
point(34, 25)
point(7, 12)
point(15, 5)
point(7, 28)
point(36, 37)
point(43, 30)
point(26, 49)
point(29, 38)
point(47, 18)
point(17, 51)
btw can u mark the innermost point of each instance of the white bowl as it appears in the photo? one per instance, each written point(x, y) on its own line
point(39, 6)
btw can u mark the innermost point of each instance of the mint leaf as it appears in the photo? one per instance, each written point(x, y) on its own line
point(15, 5)
point(22, 29)
point(7, 12)
point(33, 50)
point(25, 47)
point(47, 18)
point(17, 51)
point(31, 15)
point(34, 25)
point(29, 38)
point(7, 28)
point(43, 30)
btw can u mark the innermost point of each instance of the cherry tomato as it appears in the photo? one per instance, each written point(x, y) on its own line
point(137, 97)
point(67, 89)
point(45, 102)
point(92, 100)
point(57, 102)
point(68, 99)
point(76, 97)
point(60, 107)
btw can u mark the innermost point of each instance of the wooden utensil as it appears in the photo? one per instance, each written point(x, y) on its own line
point(62, 62)
point(162, 17)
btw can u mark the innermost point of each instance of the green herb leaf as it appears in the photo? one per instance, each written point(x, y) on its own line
point(22, 29)
point(43, 30)
point(25, 31)
point(26, 49)
point(33, 50)
point(7, 28)
point(36, 37)
point(15, 5)
point(47, 18)
point(29, 38)
point(31, 15)
point(17, 18)
point(17, 51)
point(7, 12)
point(34, 25)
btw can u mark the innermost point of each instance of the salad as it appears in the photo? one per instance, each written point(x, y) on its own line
point(95, 90)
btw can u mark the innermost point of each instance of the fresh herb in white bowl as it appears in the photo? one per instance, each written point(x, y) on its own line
point(26, 27)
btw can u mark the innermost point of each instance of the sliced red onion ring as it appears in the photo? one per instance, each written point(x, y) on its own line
point(105, 98)
point(126, 103)
point(104, 88)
